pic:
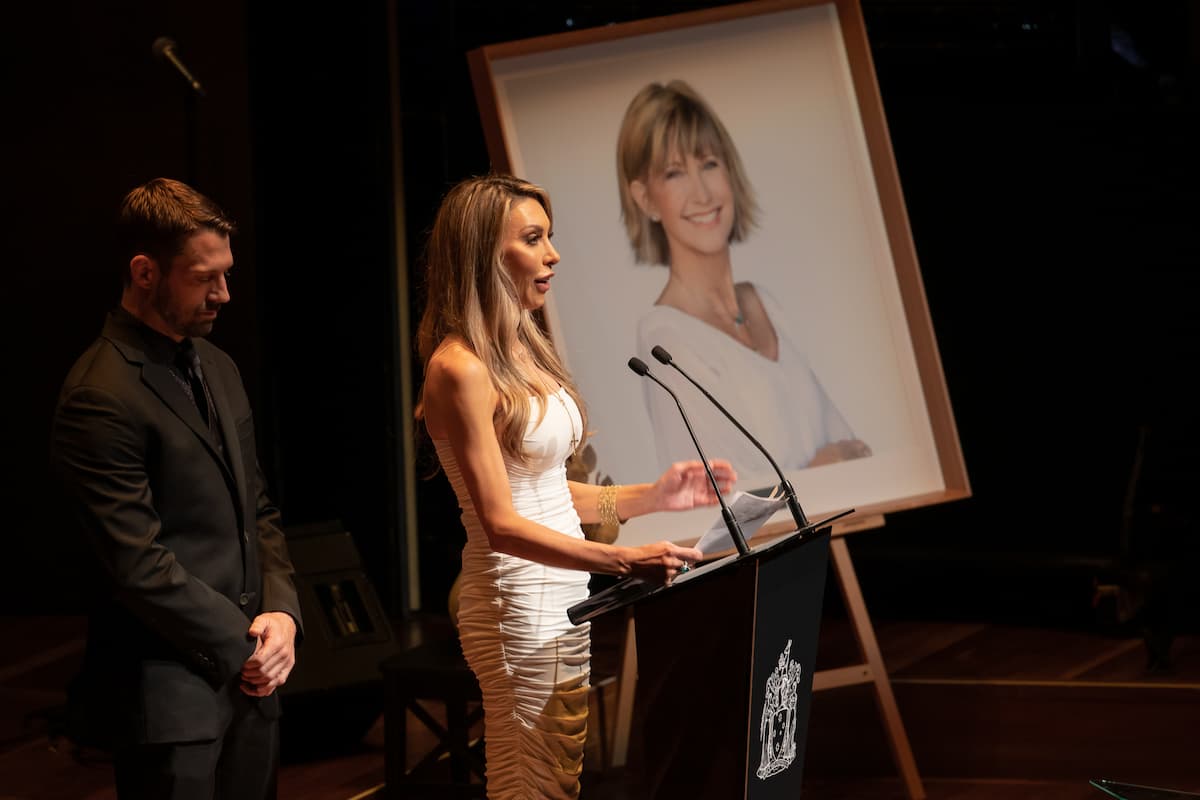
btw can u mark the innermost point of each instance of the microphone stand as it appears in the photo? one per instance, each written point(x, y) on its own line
point(164, 49)
point(793, 503)
point(191, 137)
point(731, 523)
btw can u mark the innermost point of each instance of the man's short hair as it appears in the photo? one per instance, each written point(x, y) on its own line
point(157, 217)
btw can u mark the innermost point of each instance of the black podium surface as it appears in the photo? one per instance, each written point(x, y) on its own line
point(726, 657)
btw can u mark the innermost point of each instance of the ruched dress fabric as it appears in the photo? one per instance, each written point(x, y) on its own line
point(532, 664)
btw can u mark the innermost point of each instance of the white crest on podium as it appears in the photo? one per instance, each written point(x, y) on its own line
point(777, 728)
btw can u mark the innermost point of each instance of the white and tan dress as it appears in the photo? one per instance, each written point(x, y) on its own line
point(531, 662)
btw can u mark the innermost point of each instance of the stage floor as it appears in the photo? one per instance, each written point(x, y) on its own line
point(992, 711)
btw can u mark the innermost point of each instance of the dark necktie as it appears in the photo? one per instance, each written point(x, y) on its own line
point(187, 361)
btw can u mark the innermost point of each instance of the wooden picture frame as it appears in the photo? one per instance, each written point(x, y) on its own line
point(794, 84)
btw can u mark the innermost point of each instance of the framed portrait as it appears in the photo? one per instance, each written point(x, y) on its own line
point(846, 390)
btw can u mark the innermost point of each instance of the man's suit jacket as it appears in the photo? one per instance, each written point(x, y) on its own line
point(190, 547)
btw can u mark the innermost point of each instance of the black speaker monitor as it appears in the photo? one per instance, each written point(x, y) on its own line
point(335, 692)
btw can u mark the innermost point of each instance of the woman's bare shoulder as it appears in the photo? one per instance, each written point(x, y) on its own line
point(455, 366)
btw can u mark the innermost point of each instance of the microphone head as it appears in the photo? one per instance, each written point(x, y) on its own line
point(639, 366)
point(661, 354)
point(162, 45)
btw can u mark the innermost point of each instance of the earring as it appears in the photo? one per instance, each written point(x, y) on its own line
point(654, 218)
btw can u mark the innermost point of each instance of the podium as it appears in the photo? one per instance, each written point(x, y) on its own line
point(726, 657)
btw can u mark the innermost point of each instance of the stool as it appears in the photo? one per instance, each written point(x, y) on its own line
point(434, 671)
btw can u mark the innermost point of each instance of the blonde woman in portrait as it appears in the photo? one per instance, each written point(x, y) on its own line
point(504, 416)
point(685, 199)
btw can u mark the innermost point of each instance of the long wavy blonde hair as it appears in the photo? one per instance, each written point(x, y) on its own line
point(469, 293)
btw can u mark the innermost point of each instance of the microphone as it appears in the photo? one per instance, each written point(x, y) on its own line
point(735, 530)
point(164, 49)
point(793, 504)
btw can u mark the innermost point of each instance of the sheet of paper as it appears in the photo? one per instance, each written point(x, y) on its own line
point(751, 512)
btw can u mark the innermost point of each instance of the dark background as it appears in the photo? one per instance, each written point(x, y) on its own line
point(1048, 158)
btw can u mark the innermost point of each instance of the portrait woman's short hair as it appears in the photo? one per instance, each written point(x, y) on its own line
point(659, 121)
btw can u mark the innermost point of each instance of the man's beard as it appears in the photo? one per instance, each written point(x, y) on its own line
point(165, 309)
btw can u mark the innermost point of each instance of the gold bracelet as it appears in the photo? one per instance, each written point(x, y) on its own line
point(606, 504)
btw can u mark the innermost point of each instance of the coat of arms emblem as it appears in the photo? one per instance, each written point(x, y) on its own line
point(777, 728)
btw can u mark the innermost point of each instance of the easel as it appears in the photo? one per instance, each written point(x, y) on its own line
point(490, 75)
point(871, 670)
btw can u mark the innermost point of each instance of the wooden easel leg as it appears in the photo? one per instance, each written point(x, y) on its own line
point(865, 633)
point(626, 686)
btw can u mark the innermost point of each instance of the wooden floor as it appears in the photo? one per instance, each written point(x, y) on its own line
point(991, 711)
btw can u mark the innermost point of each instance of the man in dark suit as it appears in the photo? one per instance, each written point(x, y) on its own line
point(195, 623)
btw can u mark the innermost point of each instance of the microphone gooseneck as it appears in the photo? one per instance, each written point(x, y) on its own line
point(793, 502)
point(731, 523)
